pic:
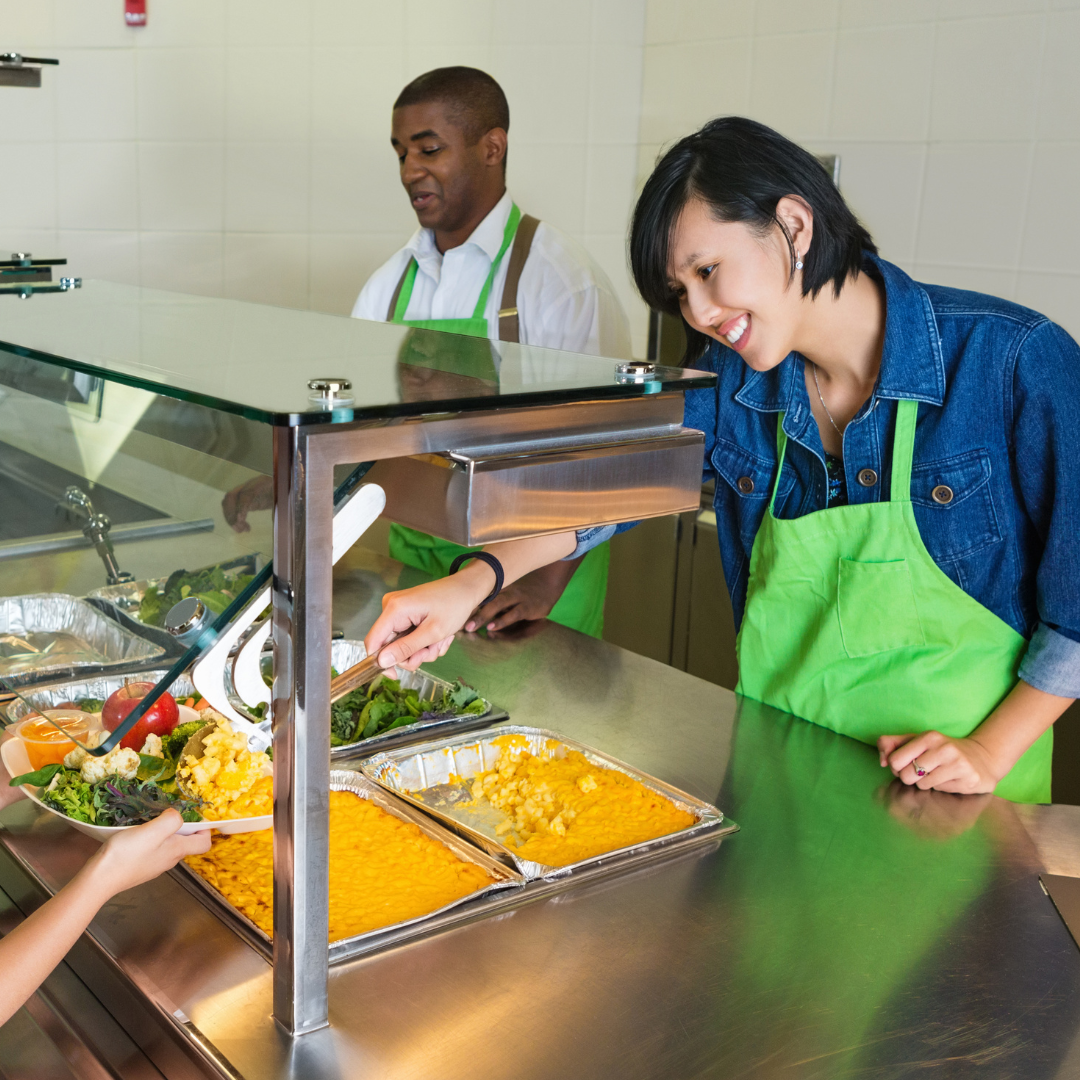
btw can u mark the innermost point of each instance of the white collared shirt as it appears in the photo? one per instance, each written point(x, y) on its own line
point(565, 301)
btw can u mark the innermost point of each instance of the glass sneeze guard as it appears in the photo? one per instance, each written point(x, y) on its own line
point(257, 361)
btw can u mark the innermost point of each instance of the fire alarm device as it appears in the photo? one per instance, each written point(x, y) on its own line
point(135, 12)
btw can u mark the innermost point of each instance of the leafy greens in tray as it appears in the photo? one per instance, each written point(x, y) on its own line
point(214, 587)
point(384, 705)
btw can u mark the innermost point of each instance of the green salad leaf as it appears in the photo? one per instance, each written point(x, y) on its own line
point(41, 778)
point(384, 705)
point(214, 587)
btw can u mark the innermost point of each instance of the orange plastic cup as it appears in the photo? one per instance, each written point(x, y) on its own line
point(45, 745)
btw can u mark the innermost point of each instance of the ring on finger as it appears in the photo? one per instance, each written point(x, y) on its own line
point(920, 772)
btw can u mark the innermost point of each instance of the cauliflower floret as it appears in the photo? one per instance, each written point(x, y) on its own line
point(152, 746)
point(120, 762)
point(74, 758)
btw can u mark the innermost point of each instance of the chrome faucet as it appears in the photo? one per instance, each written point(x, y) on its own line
point(96, 530)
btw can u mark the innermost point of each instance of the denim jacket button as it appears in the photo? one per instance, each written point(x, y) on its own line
point(867, 477)
point(942, 495)
point(745, 485)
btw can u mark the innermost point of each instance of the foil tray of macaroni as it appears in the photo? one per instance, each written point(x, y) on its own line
point(436, 778)
point(344, 654)
point(45, 637)
point(504, 879)
point(98, 687)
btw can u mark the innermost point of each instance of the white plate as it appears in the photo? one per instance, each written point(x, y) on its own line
point(16, 762)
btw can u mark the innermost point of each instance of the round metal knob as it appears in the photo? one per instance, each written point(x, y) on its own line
point(942, 495)
point(331, 391)
point(329, 385)
point(635, 371)
point(185, 615)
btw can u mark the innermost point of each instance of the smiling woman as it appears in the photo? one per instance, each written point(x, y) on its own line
point(894, 500)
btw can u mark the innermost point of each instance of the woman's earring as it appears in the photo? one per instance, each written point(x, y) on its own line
point(798, 261)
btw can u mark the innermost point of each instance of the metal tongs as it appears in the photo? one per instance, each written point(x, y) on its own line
point(360, 674)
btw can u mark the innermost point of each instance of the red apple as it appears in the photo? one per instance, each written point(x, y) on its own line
point(159, 719)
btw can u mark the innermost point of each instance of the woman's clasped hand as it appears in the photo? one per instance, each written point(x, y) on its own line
point(932, 760)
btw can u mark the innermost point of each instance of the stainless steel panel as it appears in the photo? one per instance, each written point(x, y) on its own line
point(474, 499)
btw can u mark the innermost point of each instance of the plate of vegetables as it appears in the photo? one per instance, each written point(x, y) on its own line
point(138, 779)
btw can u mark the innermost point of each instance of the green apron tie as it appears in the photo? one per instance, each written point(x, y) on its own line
point(581, 606)
point(851, 624)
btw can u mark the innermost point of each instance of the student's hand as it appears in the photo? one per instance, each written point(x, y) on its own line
point(437, 610)
point(963, 766)
point(531, 597)
point(142, 852)
point(256, 494)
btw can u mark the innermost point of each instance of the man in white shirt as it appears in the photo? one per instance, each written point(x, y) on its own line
point(478, 266)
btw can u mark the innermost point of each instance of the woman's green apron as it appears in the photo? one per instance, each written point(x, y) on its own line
point(851, 624)
point(581, 606)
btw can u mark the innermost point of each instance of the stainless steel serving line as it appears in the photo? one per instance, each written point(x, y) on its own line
point(849, 929)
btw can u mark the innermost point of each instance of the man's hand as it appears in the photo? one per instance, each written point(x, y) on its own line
point(934, 761)
point(256, 494)
point(529, 598)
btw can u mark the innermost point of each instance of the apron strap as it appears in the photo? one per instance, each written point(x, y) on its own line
point(508, 239)
point(781, 450)
point(509, 326)
point(907, 412)
point(399, 302)
point(903, 453)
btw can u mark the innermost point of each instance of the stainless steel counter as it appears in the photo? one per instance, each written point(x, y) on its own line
point(849, 930)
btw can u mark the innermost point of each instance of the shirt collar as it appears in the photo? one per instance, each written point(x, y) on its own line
point(487, 236)
point(911, 361)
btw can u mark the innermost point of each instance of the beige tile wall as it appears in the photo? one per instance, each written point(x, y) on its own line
point(241, 147)
point(957, 121)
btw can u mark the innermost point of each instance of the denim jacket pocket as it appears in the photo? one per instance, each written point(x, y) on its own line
point(954, 505)
point(747, 474)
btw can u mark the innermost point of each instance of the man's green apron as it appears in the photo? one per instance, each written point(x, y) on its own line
point(851, 624)
point(581, 606)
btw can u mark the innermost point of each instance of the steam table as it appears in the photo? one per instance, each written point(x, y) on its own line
point(849, 930)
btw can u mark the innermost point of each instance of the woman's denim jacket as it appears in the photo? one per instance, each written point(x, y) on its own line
point(998, 424)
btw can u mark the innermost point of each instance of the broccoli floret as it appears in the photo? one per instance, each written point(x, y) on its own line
point(174, 742)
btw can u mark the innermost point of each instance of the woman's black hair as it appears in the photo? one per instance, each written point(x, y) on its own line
point(741, 169)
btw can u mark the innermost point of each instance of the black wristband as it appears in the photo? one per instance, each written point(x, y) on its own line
point(490, 559)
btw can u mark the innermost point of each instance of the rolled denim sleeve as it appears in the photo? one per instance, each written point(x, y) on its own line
point(1045, 452)
point(587, 539)
point(1052, 663)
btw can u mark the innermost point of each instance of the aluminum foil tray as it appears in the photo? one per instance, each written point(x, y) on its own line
point(96, 643)
point(436, 778)
point(344, 654)
point(98, 686)
point(505, 880)
point(121, 602)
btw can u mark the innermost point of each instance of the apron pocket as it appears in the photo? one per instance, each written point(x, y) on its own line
point(876, 605)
